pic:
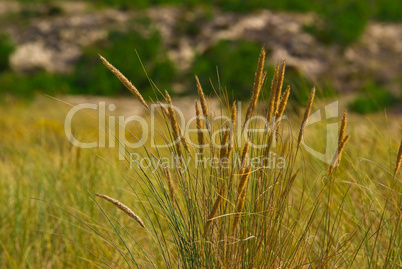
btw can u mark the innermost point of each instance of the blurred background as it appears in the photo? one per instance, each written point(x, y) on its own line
point(349, 49)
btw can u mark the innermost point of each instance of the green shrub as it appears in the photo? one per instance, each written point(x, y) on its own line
point(27, 86)
point(6, 48)
point(373, 98)
point(234, 60)
point(388, 10)
point(343, 21)
point(245, 6)
point(91, 77)
point(236, 66)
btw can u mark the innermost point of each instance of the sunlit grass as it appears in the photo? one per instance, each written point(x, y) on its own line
point(37, 161)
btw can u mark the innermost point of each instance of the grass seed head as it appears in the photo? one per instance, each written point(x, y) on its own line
point(125, 82)
point(342, 128)
point(245, 153)
point(306, 115)
point(338, 156)
point(272, 96)
point(200, 135)
point(398, 160)
point(164, 109)
point(170, 184)
point(173, 122)
point(256, 87)
point(282, 104)
point(123, 208)
point(279, 84)
point(203, 101)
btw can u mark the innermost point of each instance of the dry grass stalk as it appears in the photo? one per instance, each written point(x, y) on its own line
point(264, 76)
point(203, 101)
point(170, 184)
point(214, 209)
point(306, 115)
point(272, 95)
point(164, 109)
point(282, 104)
point(123, 208)
point(176, 130)
point(224, 147)
point(398, 160)
point(243, 180)
point(125, 81)
point(279, 84)
point(270, 140)
point(342, 128)
point(281, 110)
point(233, 118)
point(173, 123)
point(257, 86)
point(337, 158)
point(245, 153)
point(200, 135)
point(241, 195)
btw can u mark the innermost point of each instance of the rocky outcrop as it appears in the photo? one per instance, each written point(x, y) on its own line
point(54, 43)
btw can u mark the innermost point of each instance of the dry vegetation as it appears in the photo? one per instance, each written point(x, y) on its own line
point(232, 215)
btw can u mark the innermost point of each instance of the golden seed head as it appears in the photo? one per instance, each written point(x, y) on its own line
point(170, 184)
point(173, 123)
point(282, 104)
point(125, 82)
point(398, 160)
point(203, 101)
point(233, 116)
point(200, 135)
point(279, 84)
point(176, 130)
point(306, 115)
point(337, 158)
point(224, 152)
point(257, 86)
point(123, 208)
point(272, 96)
point(243, 180)
point(244, 153)
point(342, 128)
point(164, 109)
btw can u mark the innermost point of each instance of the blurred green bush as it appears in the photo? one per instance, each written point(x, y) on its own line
point(228, 64)
point(388, 10)
point(91, 77)
point(373, 98)
point(120, 49)
point(26, 86)
point(232, 64)
point(6, 48)
point(343, 21)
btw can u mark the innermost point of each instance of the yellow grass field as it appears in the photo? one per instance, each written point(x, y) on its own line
point(300, 216)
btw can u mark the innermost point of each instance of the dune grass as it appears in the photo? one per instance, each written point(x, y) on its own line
point(298, 212)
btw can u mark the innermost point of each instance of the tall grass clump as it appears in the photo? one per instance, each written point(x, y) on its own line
point(234, 197)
